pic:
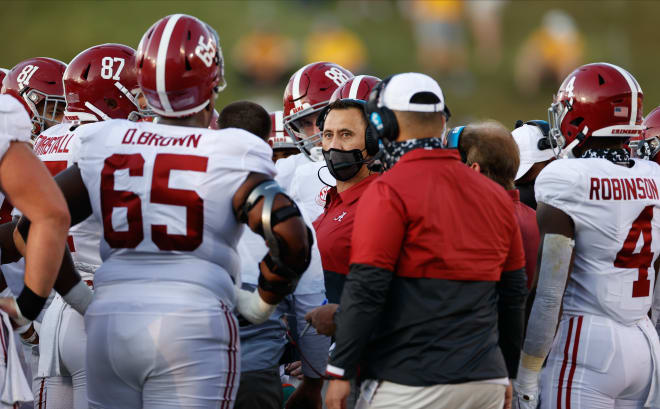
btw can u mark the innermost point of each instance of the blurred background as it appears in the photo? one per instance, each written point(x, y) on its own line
point(494, 59)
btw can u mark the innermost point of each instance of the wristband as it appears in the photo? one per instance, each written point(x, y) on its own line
point(29, 303)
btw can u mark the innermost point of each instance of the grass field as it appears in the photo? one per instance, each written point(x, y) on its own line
point(621, 32)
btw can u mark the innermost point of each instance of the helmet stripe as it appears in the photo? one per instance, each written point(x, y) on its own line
point(161, 58)
point(279, 121)
point(355, 85)
point(295, 91)
point(633, 89)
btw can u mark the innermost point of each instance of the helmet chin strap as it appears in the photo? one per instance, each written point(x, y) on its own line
point(97, 111)
point(127, 93)
point(568, 149)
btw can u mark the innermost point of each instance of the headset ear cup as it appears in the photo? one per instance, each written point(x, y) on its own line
point(390, 125)
point(370, 140)
point(320, 120)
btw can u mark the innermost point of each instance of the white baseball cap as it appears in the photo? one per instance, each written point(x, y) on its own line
point(527, 137)
point(402, 88)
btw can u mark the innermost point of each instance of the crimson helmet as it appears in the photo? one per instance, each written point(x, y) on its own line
point(100, 83)
point(651, 124)
point(596, 100)
point(38, 81)
point(358, 87)
point(647, 146)
point(3, 74)
point(278, 139)
point(308, 91)
point(180, 66)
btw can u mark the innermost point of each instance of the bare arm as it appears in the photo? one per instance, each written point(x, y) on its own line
point(68, 283)
point(31, 189)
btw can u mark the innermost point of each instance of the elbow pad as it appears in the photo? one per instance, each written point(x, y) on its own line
point(269, 189)
point(555, 262)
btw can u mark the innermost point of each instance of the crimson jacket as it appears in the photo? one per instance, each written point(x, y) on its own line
point(437, 274)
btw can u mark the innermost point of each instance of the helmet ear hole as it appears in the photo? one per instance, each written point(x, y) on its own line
point(188, 66)
point(110, 102)
point(85, 73)
point(577, 121)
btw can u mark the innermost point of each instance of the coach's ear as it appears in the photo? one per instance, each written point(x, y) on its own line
point(475, 166)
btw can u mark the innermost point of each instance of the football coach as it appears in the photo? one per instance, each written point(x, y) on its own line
point(436, 253)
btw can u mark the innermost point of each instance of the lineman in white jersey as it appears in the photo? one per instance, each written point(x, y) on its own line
point(100, 83)
point(171, 197)
point(308, 91)
point(599, 217)
point(25, 181)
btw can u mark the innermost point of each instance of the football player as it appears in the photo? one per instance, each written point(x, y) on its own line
point(648, 144)
point(26, 182)
point(171, 197)
point(100, 83)
point(38, 83)
point(306, 181)
point(598, 217)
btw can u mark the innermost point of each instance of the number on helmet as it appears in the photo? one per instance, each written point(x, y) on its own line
point(107, 68)
point(205, 51)
point(570, 87)
point(336, 75)
point(24, 76)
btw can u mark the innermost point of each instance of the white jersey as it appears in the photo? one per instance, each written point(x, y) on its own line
point(299, 177)
point(56, 148)
point(616, 211)
point(164, 197)
point(15, 123)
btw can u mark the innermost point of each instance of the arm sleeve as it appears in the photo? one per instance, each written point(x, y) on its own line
point(553, 274)
point(512, 292)
point(378, 234)
point(361, 303)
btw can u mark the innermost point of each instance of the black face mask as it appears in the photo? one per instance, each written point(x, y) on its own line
point(527, 194)
point(343, 165)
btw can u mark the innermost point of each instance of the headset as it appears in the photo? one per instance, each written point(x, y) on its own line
point(453, 140)
point(370, 138)
point(544, 127)
point(381, 118)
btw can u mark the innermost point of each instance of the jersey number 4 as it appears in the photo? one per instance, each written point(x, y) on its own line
point(626, 258)
point(161, 193)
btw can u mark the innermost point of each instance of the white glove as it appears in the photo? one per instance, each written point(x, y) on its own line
point(526, 389)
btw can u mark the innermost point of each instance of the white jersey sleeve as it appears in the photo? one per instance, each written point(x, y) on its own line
point(163, 195)
point(15, 124)
point(616, 213)
point(309, 192)
point(286, 168)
